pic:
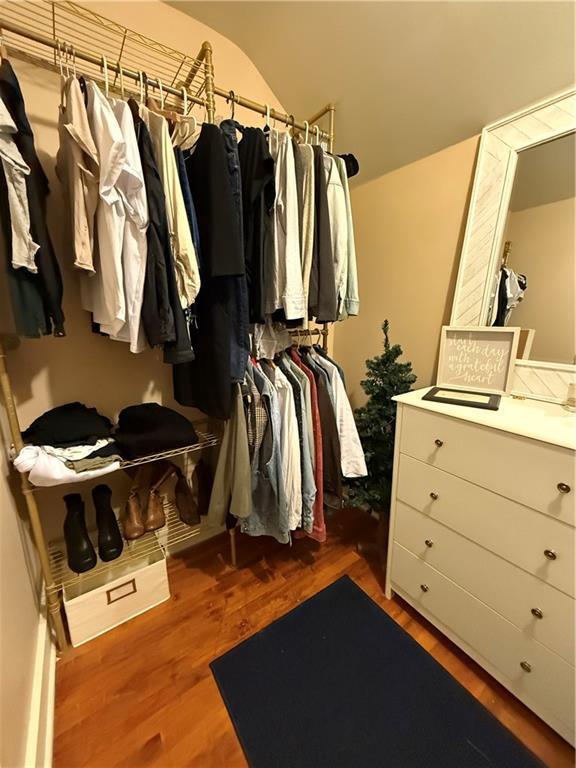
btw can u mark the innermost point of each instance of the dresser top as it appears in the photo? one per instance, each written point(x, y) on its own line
point(548, 422)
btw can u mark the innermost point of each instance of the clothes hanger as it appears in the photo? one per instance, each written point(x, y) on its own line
point(185, 125)
point(120, 72)
point(317, 132)
point(3, 48)
point(106, 78)
point(62, 76)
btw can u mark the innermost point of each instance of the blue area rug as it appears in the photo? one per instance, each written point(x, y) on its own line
point(336, 683)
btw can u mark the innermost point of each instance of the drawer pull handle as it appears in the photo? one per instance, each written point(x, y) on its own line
point(429, 543)
point(563, 488)
point(433, 495)
point(424, 587)
point(550, 554)
point(526, 666)
point(439, 443)
point(537, 613)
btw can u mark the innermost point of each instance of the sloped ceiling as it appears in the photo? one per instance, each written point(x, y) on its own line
point(408, 78)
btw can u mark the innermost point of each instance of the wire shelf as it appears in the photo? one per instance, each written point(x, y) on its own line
point(205, 440)
point(76, 28)
point(173, 534)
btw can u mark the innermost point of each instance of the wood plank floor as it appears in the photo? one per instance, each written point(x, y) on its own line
point(143, 695)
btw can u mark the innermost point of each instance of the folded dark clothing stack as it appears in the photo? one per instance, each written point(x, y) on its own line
point(150, 428)
point(68, 425)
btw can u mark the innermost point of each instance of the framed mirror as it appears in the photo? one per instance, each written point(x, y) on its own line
point(518, 257)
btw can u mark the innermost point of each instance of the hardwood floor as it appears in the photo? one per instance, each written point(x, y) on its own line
point(143, 694)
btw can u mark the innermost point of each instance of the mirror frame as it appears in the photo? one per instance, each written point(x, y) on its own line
point(481, 255)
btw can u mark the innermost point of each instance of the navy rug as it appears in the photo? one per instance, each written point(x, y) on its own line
point(336, 683)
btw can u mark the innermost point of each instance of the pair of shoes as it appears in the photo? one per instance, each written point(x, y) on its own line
point(139, 521)
point(79, 548)
point(140, 518)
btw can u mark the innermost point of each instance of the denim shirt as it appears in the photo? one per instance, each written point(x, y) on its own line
point(269, 505)
point(308, 483)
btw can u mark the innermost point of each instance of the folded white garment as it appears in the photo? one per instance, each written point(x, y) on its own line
point(75, 452)
point(45, 470)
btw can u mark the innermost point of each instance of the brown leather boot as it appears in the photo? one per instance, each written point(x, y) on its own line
point(133, 522)
point(155, 517)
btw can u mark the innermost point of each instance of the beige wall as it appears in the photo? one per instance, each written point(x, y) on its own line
point(543, 249)
point(409, 226)
point(19, 626)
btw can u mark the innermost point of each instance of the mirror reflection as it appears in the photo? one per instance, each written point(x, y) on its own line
point(537, 281)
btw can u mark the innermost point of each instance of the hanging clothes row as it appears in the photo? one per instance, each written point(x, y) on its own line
point(181, 241)
point(289, 442)
point(31, 284)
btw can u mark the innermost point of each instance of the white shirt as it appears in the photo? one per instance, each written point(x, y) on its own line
point(131, 188)
point(351, 453)
point(185, 261)
point(284, 289)
point(289, 446)
point(15, 170)
point(44, 470)
point(103, 294)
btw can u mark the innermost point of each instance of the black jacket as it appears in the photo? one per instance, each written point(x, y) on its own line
point(162, 314)
point(48, 284)
point(322, 299)
point(206, 383)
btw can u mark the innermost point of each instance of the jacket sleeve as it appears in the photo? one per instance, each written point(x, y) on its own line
point(352, 299)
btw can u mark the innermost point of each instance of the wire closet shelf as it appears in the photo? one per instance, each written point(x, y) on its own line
point(79, 38)
point(174, 534)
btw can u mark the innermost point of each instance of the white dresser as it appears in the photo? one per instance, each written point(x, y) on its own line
point(482, 535)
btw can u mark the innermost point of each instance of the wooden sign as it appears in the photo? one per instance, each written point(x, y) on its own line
point(475, 358)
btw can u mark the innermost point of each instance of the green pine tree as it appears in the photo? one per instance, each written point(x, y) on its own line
point(376, 422)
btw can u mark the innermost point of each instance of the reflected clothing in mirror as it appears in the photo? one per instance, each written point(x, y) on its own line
point(509, 294)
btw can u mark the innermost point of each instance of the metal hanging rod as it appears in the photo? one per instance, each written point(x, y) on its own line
point(60, 46)
point(282, 117)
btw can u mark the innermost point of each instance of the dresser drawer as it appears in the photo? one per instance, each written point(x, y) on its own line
point(548, 686)
point(510, 591)
point(522, 469)
point(516, 533)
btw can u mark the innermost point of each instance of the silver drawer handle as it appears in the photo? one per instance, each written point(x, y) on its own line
point(433, 495)
point(526, 666)
point(439, 443)
point(429, 543)
point(537, 613)
point(424, 587)
point(550, 554)
point(563, 488)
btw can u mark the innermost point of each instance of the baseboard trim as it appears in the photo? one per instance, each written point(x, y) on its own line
point(40, 735)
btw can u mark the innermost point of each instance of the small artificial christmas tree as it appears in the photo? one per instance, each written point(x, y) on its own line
point(376, 421)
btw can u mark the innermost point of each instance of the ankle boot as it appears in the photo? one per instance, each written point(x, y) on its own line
point(79, 549)
point(155, 517)
point(133, 523)
point(110, 544)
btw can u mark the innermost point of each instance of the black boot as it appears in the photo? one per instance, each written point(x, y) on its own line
point(81, 554)
point(110, 543)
